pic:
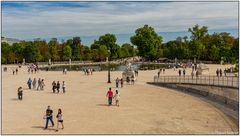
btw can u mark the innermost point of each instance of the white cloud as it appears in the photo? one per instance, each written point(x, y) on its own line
point(44, 20)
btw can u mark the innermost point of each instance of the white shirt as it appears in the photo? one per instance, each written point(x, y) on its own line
point(59, 117)
point(117, 96)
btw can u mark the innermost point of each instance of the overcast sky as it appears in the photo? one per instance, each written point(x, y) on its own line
point(28, 20)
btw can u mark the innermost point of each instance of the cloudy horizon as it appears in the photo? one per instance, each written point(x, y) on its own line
point(29, 20)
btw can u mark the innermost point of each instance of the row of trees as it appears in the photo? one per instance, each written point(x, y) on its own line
point(200, 45)
point(40, 50)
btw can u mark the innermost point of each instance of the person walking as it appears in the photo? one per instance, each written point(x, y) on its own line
point(16, 71)
point(49, 115)
point(58, 86)
point(158, 74)
point(29, 82)
point(128, 79)
point(197, 73)
point(59, 119)
point(184, 72)
point(117, 82)
point(163, 70)
point(192, 74)
point(34, 83)
point(217, 72)
point(132, 79)
point(65, 71)
point(117, 98)
point(63, 86)
point(220, 72)
point(109, 95)
point(42, 85)
point(121, 83)
point(54, 86)
point(179, 72)
point(39, 84)
point(20, 93)
point(136, 73)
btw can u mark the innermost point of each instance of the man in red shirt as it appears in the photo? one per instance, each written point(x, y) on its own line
point(110, 95)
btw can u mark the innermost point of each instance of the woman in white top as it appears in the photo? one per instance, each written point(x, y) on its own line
point(117, 97)
point(60, 119)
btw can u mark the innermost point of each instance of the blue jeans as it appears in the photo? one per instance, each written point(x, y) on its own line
point(109, 100)
point(49, 118)
point(29, 85)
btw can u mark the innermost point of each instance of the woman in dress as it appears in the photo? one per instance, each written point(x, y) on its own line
point(117, 98)
point(59, 119)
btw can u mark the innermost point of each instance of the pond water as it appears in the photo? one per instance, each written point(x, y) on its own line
point(104, 67)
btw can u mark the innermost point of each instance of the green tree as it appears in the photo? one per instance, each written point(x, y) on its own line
point(95, 45)
point(17, 49)
point(147, 42)
point(76, 43)
point(86, 53)
point(30, 52)
point(100, 54)
point(198, 33)
point(129, 49)
point(67, 52)
point(53, 48)
point(5, 50)
point(109, 40)
point(44, 50)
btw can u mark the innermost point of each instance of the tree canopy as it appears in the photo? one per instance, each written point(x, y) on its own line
point(200, 45)
point(147, 42)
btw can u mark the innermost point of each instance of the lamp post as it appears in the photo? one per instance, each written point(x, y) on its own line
point(132, 53)
point(109, 76)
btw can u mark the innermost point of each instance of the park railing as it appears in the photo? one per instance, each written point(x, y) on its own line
point(224, 81)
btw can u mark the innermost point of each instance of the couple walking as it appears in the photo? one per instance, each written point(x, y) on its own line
point(117, 82)
point(57, 86)
point(49, 117)
point(110, 97)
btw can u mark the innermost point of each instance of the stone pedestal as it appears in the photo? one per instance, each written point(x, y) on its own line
point(49, 62)
point(23, 62)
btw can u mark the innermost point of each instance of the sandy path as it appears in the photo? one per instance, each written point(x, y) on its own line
point(144, 109)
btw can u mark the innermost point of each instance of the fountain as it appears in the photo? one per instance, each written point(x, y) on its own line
point(128, 72)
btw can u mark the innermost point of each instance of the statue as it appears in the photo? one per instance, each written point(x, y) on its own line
point(129, 66)
point(128, 72)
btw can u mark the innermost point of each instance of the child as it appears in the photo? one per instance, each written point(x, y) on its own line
point(59, 119)
point(117, 98)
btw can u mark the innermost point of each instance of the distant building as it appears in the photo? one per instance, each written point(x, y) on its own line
point(9, 40)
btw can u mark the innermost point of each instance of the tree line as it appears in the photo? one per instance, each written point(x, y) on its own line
point(201, 45)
